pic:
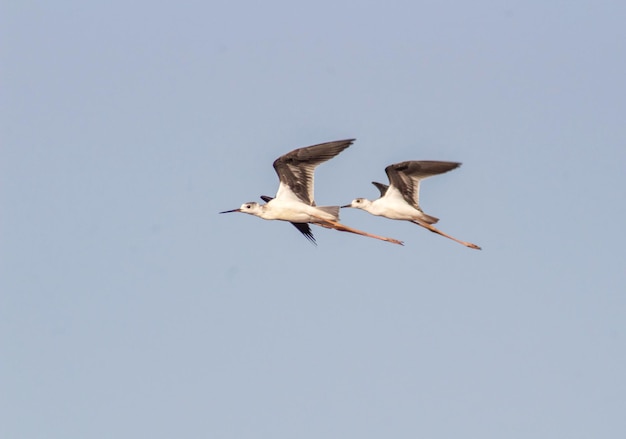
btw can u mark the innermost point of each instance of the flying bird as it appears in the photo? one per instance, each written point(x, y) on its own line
point(400, 199)
point(294, 201)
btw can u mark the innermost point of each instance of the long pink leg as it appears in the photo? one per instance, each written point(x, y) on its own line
point(439, 232)
point(329, 224)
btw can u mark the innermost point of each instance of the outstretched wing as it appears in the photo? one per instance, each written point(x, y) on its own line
point(295, 169)
point(381, 187)
point(305, 229)
point(406, 176)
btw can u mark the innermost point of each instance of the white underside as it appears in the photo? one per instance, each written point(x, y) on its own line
point(293, 211)
point(394, 208)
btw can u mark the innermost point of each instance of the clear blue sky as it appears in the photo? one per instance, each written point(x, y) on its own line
point(129, 308)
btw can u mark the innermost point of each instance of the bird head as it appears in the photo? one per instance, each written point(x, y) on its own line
point(251, 208)
point(359, 203)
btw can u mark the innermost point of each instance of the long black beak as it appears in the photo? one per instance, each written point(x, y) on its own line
point(229, 211)
point(347, 205)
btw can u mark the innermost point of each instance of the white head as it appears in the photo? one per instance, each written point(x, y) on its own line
point(359, 203)
point(251, 208)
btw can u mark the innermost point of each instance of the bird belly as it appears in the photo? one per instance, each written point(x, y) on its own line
point(395, 211)
point(295, 212)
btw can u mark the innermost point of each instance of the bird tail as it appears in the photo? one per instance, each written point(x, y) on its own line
point(331, 210)
point(429, 219)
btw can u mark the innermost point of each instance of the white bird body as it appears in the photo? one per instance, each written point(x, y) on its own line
point(400, 200)
point(291, 210)
point(294, 199)
point(392, 206)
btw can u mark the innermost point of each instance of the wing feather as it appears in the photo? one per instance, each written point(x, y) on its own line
point(406, 176)
point(305, 229)
point(295, 169)
point(381, 187)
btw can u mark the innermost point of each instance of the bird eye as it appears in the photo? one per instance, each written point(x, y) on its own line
point(358, 201)
point(247, 206)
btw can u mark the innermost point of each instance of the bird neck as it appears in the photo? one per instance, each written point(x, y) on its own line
point(264, 212)
point(371, 207)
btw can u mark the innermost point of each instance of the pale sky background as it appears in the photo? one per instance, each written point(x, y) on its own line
point(129, 308)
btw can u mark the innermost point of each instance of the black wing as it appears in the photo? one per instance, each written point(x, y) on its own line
point(295, 169)
point(381, 187)
point(305, 229)
point(406, 176)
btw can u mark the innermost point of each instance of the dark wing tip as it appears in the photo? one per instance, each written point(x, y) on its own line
point(421, 168)
point(266, 198)
point(305, 229)
point(381, 187)
point(315, 153)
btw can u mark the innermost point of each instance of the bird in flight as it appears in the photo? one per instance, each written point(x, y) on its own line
point(400, 199)
point(294, 201)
